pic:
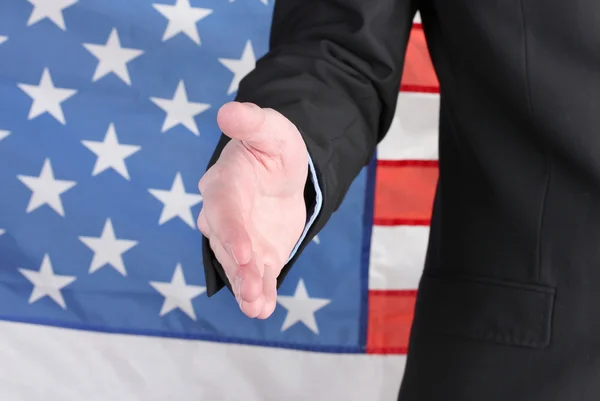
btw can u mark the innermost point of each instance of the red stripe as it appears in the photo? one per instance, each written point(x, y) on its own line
point(393, 293)
point(419, 88)
point(390, 320)
point(418, 74)
point(399, 163)
point(404, 192)
point(392, 222)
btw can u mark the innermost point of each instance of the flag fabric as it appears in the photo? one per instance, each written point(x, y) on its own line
point(107, 121)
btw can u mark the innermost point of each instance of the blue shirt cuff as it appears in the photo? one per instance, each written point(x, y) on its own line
point(317, 209)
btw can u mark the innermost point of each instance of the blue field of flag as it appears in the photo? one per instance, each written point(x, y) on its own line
point(107, 122)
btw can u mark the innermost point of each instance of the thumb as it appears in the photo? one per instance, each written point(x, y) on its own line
point(265, 130)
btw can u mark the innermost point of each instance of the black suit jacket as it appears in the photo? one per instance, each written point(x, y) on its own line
point(509, 303)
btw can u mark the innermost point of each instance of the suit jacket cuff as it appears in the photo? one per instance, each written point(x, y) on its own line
point(313, 209)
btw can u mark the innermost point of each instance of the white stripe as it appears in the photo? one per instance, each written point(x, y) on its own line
point(414, 130)
point(397, 257)
point(51, 364)
point(417, 18)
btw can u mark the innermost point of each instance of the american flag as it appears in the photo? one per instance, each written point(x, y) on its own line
point(107, 121)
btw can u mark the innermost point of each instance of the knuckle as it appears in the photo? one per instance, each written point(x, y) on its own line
point(202, 226)
point(202, 183)
point(210, 176)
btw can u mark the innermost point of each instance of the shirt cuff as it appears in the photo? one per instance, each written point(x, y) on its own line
point(316, 209)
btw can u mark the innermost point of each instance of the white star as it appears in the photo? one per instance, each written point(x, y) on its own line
point(45, 189)
point(2, 231)
point(108, 249)
point(177, 202)
point(182, 19)
point(110, 153)
point(240, 67)
point(46, 97)
point(112, 57)
point(316, 240)
point(3, 39)
point(179, 110)
point(178, 294)
point(46, 283)
point(301, 308)
point(4, 134)
point(51, 9)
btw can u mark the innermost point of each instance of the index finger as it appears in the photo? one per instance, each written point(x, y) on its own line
point(246, 281)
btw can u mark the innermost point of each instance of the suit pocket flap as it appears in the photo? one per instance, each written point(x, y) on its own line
point(485, 310)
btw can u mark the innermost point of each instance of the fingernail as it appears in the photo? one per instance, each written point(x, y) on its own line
point(237, 286)
point(232, 254)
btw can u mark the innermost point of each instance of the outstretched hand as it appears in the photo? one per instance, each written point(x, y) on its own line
point(253, 202)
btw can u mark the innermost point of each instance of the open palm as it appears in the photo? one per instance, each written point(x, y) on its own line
point(253, 202)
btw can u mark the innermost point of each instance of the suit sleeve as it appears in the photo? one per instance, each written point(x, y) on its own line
point(333, 69)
